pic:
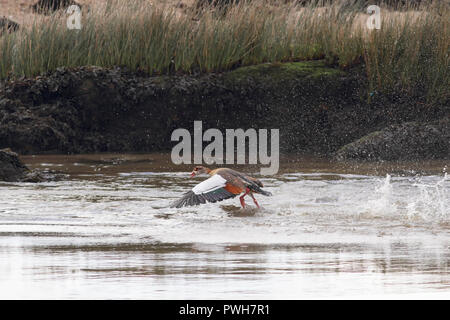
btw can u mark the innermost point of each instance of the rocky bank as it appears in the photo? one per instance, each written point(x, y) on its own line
point(317, 109)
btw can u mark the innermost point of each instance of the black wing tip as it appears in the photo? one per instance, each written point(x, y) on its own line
point(188, 199)
point(192, 199)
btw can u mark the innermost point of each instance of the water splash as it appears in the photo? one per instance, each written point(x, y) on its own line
point(412, 199)
point(384, 203)
point(432, 202)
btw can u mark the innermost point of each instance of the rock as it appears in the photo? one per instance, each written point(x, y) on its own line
point(11, 168)
point(49, 6)
point(7, 25)
point(407, 141)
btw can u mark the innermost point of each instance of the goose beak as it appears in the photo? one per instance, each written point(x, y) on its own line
point(192, 174)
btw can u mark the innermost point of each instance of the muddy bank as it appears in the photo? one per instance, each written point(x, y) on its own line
point(317, 109)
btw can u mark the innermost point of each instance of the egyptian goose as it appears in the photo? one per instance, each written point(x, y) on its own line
point(222, 184)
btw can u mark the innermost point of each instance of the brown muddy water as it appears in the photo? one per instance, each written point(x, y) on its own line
point(330, 231)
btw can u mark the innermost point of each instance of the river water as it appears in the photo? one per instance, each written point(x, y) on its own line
point(330, 230)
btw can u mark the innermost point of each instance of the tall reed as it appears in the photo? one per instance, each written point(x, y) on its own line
point(409, 53)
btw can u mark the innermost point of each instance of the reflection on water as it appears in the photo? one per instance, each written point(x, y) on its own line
point(330, 231)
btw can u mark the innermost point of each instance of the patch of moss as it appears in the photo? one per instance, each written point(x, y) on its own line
point(281, 72)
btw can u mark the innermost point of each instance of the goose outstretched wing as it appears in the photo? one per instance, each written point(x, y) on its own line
point(213, 189)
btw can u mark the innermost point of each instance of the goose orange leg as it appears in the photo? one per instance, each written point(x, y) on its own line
point(254, 200)
point(241, 198)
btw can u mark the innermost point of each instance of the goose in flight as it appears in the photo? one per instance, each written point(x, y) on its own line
point(222, 184)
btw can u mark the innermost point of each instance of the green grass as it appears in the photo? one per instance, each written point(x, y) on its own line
point(283, 72)
point(410, 53)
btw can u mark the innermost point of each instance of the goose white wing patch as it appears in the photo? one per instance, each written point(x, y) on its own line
point(210, 190)
point(213, 183)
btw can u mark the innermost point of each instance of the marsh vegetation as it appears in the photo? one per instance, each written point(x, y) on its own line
point(410, 53)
